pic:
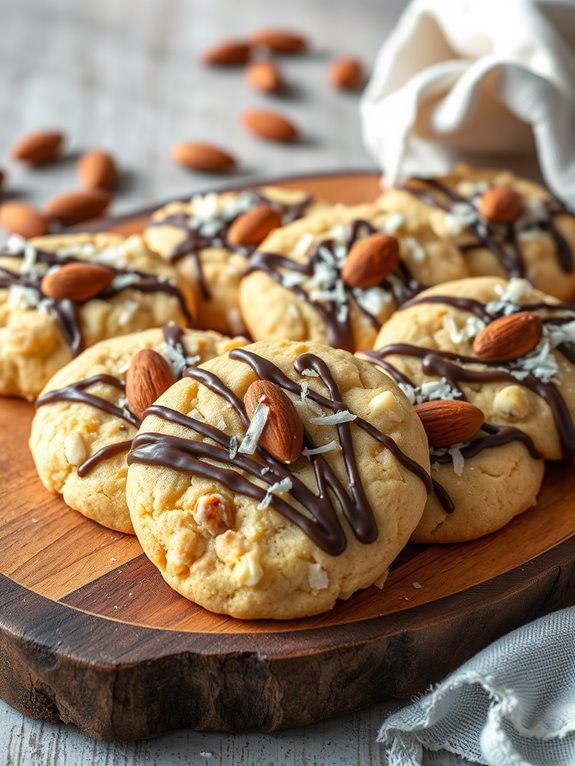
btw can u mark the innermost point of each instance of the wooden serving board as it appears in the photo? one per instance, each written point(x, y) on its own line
point(90, 633)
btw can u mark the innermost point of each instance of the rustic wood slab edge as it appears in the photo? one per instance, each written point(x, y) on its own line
point(119, 681)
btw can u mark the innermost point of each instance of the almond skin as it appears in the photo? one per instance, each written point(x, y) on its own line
point(148, 376)
point(279, 40)
point(205, 157)
point(37, 147)
point(272, 126)
point(500, 204)
point(346, 74)
point(252, 227)
point(508, 337)
point(228, 53)
point(448, 421)
point(19, 218)
point(75, 207)
point(282, 436)
point(264, 76)
point(77, 281)
point(97, 170)
point(370, 261)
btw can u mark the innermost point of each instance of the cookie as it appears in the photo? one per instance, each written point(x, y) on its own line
point(298, 287)
point(193, 236)
point(87, 415)
point(62, 293)
point(277, 479)
point(503, 225)
point(509, 350)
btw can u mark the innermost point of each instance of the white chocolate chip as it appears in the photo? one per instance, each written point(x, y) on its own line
point(74, 448)
point(248, 570)
point(317, 577)
point(512, 402)
point(386, 404)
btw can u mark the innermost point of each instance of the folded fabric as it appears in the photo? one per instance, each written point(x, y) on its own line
point(513, 704)
point(479, 81)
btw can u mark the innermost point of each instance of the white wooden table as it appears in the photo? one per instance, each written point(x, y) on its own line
point(124, 75)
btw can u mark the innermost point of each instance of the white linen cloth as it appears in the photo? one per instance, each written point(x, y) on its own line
point(513, 704)
point(483, 81)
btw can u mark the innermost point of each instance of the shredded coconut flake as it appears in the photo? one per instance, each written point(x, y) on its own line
point(250, 441)
point(279, 488)
point(329, 447)
point(343, 416)
point(233, 451)
point(309, 373)
point(416, 251)
point(393, 223)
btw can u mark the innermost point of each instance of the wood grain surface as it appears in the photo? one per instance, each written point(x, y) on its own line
point(105, 643)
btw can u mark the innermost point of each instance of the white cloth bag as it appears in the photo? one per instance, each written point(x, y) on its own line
point(485, 81)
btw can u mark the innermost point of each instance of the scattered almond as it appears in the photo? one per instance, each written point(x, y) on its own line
point(148, 376)
point(500, 204)
point(279, 40)
point(37, 147)
point(22, 219)
point(252, 227)
point(97, 169)
point(508, 337)
point(205, 157)
point(264, 76)
point(272, 126)
point(75, 207)
point(346, 74)
point(449, 421)
point(228, 53)
point(370, 261)
point(77, 281)
point(282, 436)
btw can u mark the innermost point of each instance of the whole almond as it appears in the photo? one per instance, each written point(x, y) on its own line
point(148, 376)
point(448, 421)
point(97, 169)
point(228, 53)
point(279, 40)
point(37, 147)
point(75, 207)
point(370, 261)
point(272, 126)
point(252, 227)
point(19, 218)
point(500, 204)
point(346, 74)
point(77, 281)
point(282, 436)
point(205, 157)
point(264, 76)
point(508, 337)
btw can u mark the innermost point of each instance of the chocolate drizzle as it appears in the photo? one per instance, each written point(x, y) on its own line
point(77, 393)
point(457, 369)
point(318, 516)
point(493, 435)
point(64, 311)
point(334, 310)
point(195, 240)
point(500, 239)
